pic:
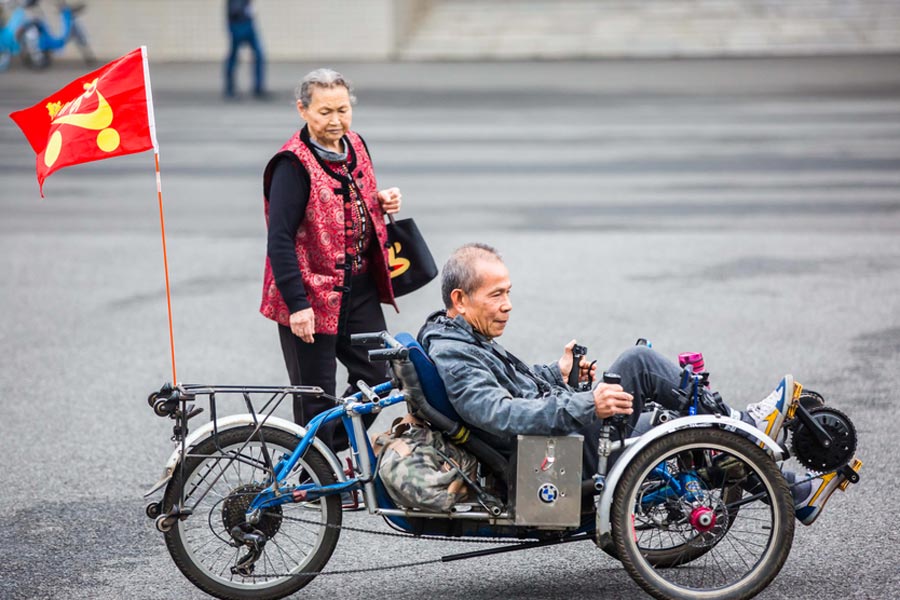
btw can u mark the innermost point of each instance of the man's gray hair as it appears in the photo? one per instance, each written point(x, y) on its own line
point(324, 78)
point(459, 271)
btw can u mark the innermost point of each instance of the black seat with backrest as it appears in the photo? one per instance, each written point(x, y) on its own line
point(427, 399)
point(430, 381)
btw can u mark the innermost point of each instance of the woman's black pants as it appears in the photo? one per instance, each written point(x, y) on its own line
point(316, 364)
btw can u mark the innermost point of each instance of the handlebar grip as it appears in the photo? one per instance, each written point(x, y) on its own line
point(617, 421)
point(578, 352)
point(611, 378)
point(374, 338)
point(388, 354)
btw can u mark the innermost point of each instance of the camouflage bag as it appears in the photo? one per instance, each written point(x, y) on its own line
point(420, 469)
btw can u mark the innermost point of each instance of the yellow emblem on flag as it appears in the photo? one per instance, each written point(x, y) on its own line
point(53, 108)
point(99, 119)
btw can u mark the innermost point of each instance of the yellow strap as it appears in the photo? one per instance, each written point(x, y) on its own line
point(461, 436)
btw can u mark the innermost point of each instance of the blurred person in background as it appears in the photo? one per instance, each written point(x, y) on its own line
point(326, 269)
point(242, 30)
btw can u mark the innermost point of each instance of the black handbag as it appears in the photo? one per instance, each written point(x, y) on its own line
point(409, 258)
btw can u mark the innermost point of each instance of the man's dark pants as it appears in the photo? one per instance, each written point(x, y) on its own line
point(646, 375)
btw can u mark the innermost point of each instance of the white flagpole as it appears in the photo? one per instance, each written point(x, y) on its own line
point(162, 222)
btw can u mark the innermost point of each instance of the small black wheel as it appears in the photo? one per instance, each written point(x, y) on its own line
point(164, 523)
point(811, 454)
point(151, 399)
point(159, 407)
point(153, 510)
point(299, 537)
point(672, 499)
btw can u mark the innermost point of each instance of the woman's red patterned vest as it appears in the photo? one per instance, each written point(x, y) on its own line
point(320, 244)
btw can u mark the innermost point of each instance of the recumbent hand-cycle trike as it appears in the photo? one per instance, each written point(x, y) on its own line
point(694, 508)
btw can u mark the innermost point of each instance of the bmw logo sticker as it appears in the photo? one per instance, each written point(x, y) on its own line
point(548, 493)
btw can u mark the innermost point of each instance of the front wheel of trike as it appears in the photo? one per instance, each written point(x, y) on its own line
point(710, 498)
point(222, 475)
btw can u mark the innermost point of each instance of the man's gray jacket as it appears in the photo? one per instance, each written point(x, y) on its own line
point(494, 391)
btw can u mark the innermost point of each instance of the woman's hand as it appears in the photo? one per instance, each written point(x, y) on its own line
point(390, 200)
point(303, 325)
point(585, 368)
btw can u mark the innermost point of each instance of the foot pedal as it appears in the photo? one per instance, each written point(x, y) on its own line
point(850, 472)
point(354, 503)
point(354, 494)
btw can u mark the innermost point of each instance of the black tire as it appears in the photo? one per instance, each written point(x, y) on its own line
point(743, 550)
point(29, 39)
point(200, 544)
point(811, 399)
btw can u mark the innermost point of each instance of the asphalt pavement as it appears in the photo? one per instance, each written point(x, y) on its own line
point(747, 208)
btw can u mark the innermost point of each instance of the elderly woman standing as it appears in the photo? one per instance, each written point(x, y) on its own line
point(327, 264)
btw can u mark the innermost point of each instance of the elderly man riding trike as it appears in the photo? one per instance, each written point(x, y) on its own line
point(648, 463)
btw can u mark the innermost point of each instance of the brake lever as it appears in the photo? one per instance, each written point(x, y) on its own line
point(578, 352)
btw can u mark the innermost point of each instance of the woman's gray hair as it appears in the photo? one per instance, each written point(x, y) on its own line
point(324, 78)
point(459, 272)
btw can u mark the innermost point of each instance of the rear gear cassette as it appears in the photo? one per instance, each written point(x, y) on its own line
point(234, 511)
point(815, 457)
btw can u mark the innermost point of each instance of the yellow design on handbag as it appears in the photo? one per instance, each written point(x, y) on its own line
point(397, 263)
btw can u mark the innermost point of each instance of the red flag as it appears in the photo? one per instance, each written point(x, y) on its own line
point(106, 113)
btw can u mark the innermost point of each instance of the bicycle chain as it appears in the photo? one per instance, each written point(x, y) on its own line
point(343, 571)
point(434, 538)
point(382, 533)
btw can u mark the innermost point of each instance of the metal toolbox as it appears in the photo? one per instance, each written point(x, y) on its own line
point(548, 481)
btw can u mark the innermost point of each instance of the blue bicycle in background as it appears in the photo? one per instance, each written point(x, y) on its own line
point(696, 507)
point(27, 33)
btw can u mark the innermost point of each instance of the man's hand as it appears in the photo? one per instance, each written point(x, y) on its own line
point(565, 365)
point(611, 399)
point(390, 200)
point(303, 325)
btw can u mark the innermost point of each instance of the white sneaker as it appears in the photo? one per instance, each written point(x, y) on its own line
point(768, 415)
point(808, 508)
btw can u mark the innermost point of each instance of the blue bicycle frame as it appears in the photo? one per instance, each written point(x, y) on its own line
point(685, 485)
point(350, 413)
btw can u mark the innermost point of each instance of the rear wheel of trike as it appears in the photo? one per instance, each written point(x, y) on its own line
point(221, 478)
point(683, 498)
